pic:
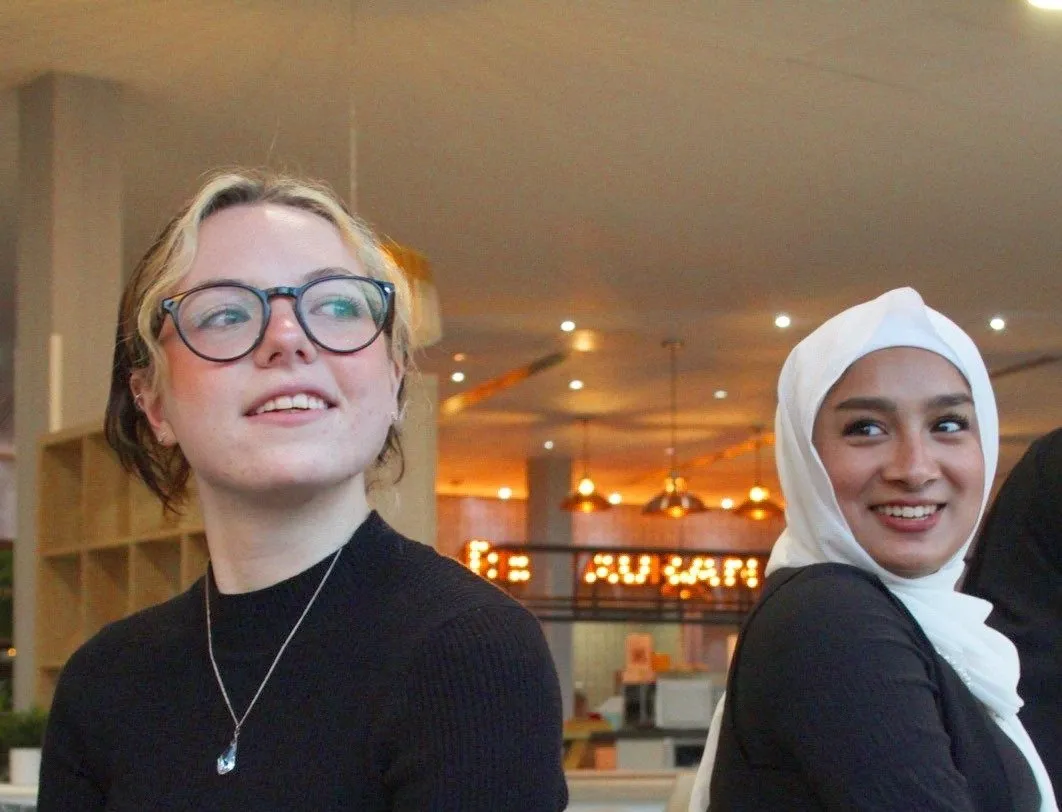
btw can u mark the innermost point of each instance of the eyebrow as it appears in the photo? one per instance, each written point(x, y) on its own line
point(872, 404)
point(309, 276)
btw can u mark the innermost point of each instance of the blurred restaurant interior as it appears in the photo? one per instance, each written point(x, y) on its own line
point(617, 219)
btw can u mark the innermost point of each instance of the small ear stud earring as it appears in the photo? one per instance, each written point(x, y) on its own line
point(138, 401)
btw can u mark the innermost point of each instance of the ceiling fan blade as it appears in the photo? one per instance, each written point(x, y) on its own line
point(470, 397)
point(1023, 366)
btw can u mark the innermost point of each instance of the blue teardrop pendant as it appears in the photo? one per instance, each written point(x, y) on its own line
point(227, 760)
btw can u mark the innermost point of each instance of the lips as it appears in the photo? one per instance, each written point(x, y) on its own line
point(900, 511)
point(293, 400)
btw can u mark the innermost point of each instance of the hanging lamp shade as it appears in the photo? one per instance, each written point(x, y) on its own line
point(674, 501)
point(585, 498)
point(758, 507)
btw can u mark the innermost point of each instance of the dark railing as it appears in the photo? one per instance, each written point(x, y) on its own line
point(619, 584)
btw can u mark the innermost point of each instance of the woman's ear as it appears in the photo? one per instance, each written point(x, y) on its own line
point(149, 401)
point(398, 373)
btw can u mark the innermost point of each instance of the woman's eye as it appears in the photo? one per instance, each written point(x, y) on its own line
point(863, 428)
point(337, 308)
point(221, 317)
point(952, 424)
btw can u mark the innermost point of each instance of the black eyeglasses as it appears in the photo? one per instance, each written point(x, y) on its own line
point(223, 321)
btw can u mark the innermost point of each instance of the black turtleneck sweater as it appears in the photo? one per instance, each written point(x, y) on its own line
point(412, 684)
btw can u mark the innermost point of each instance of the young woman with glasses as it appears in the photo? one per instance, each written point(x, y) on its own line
point(324, 661)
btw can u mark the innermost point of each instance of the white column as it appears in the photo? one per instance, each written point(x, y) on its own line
point(69, 283)
point(548, 482)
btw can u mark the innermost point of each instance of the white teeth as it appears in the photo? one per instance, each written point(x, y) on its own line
point(907, 511)
point(300, 401)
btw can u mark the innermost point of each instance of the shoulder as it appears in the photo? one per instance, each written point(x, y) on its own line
point(416, 593)
point(144, 638)
point(837, 591)
point(830, 613)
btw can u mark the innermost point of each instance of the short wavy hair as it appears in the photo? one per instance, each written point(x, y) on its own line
point(164, 469)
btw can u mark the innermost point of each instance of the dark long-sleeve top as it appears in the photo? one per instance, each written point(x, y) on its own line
point(412, 684)
point(836, 700)
point(1017, 565)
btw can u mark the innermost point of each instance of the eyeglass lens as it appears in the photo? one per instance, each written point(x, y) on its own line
point(225, 321)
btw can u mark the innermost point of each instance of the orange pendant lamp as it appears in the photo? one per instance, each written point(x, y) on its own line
point(759, 507)
point(674, 501)
point(585, 498)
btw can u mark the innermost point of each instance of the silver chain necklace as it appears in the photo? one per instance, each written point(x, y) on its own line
point(227, 760)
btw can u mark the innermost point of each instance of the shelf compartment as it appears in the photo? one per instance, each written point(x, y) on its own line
point(154, 572)
point(59, 595)
point(59, 514)
point(106, 486)
point(47, 679)
point(106, 588)
point(145, 511)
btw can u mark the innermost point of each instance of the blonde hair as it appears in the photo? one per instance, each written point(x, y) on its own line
point(137, 349)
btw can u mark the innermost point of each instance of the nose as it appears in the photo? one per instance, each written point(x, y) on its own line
point(912, 463)
point(284, 340)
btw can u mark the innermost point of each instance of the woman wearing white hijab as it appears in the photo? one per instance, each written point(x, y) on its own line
point(862, 679)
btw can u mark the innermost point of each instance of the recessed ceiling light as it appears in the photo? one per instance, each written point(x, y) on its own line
point(727, 504)
point(782, 321)
point(457, 377)
point(567, 326)
point(576, 384)
point(719, 394)
point(998, 323)
point(615, 498)
point(548, 445)
point(459, 357)
point(505, 493)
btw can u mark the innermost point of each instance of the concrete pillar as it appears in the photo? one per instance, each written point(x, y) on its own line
point(549, 480)
point(409, 506)
point(69, 282)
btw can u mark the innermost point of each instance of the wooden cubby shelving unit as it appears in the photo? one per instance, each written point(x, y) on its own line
point(106, 549)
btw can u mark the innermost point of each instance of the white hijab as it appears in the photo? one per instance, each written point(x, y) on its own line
point(816, 531)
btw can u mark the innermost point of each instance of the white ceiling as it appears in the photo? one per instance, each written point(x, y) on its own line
point(675, 168)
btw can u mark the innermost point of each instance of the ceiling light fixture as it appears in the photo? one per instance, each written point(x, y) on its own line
point(720, 394)
point(727, 503)
point(457, 377)
point(782, 321)
point(548, 445)
point(568, 326)
point(585, 498)
point(759, 507)
point(615, 498)
point(575, 385)
point(997, 323)
point(505, 493)
point(674, 501)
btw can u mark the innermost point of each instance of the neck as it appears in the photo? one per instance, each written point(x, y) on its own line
point(260, 539)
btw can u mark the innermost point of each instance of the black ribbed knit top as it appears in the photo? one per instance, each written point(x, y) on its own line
point(412, 684)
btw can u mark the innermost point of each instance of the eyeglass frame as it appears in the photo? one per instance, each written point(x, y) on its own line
point(171, 304)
